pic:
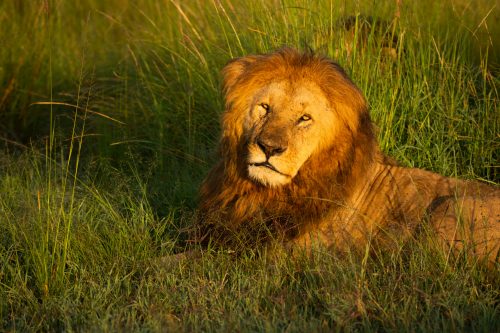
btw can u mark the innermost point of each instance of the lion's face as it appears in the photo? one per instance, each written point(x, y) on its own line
point(286, 123)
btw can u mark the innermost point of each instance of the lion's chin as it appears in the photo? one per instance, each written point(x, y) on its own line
point(267, 176)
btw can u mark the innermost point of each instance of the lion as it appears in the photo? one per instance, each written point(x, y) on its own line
point(355, 32)
point(299, 162)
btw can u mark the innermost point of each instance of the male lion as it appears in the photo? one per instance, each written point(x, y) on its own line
point(298, 155)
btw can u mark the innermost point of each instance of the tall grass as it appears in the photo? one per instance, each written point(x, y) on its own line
point(108, 122)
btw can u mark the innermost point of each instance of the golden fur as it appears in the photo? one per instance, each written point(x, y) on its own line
point(298, 156)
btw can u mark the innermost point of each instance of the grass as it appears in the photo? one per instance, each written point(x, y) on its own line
point(108, 124)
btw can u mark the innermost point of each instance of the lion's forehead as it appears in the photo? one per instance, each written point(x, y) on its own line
point(285, 95)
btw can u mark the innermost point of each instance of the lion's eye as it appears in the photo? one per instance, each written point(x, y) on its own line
point(304, 118)
point(264, 109)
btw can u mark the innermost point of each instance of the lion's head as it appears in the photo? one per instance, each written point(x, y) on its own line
point(285, 107)
point(294, 127)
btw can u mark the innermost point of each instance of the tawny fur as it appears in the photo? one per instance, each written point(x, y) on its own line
point(346, 193)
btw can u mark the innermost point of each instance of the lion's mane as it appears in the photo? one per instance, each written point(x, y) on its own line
point(229, 200)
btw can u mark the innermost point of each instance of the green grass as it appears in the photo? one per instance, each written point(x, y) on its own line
point(109, 121)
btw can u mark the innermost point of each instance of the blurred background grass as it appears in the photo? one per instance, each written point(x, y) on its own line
point(109, 121)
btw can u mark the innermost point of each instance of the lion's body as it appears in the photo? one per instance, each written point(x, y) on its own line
point(298, 155)
point(394, 204)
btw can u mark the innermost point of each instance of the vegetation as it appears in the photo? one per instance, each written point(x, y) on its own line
point(108, 122)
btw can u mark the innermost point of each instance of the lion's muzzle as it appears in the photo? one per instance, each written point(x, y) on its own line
point(271, 146)
point(269, 166)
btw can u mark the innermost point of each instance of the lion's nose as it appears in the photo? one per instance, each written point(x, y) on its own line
point(271, 148)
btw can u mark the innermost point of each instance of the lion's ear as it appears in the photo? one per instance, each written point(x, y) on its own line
point(235, 69)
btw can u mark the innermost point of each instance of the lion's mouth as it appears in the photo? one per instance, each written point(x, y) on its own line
point(268, 165)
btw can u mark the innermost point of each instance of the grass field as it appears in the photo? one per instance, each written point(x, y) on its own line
point(109, 121)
